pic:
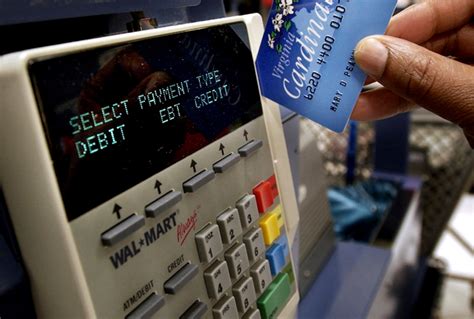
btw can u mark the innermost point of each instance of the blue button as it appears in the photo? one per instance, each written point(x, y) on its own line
point(276, 256)
point(284, 242)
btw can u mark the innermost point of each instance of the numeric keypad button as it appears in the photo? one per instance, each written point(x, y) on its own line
point(238, 260)
point(229, 224)
point(253, 240)
point(209, 243)
point(226, 309)
point(244, 293)
point(261, 275)
point(247, 207)
point(217, 279)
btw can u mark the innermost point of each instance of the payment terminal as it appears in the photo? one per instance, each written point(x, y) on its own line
point(146, 177)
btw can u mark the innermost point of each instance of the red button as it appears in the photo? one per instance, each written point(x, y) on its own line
point(273, 183)
point(264, 195)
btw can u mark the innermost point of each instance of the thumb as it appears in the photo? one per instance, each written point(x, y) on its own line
point(440, 84)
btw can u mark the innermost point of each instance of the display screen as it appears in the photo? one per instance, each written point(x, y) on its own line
point(115, 116)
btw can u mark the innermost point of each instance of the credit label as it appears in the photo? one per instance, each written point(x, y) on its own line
point(306, 58)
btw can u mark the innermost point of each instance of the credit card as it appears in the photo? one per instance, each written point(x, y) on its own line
point(306, 58)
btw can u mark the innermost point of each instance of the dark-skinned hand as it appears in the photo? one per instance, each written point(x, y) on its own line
point(424, 60)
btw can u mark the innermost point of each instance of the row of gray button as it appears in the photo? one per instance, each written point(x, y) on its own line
point(134, 222)
point(205, 176)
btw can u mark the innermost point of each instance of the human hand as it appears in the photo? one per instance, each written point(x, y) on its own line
point(423, 60)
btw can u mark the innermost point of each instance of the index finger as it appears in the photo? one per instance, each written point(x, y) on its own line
point(420, 22)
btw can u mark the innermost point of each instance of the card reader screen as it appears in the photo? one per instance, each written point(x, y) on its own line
point(115, 116)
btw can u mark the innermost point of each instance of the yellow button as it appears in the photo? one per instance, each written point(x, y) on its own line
point(270, 228)
point(279, 212)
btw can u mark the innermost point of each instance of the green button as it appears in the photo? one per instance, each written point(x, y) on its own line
point(275, 297)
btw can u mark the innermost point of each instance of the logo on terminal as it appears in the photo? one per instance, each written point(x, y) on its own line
point(185, 228)
point(150, 236)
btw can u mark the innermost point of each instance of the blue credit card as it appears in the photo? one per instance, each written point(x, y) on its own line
point(306, 58)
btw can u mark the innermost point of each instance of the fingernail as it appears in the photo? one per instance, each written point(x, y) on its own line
point(371, 56)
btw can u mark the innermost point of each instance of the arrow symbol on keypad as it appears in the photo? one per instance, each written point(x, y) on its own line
point(193, 165)
point(221, 148)
point(116, 210)
point(158, 186)
point(246, 135)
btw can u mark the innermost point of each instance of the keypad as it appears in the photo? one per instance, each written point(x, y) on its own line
point(243, 234)
point(252, 263)
point(233, 248)
point(242, 250)
point(246, 262)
